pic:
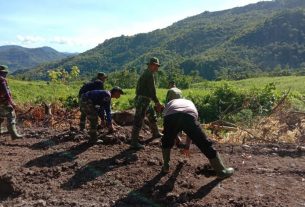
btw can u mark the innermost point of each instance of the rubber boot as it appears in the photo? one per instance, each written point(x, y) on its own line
point(154, 130)
point(135, 139)
point(13, 131)
point(221, 171)
point(166, 153)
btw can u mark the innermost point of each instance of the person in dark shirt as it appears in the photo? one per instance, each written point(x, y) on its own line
point(7, 104)
point(95, 84)
point(97, 103)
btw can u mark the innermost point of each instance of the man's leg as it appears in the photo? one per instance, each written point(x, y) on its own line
point(193, 129)
point(152, 118)
point(82, 121)
point(172, 126)
point(141, 105)
point(11, 123)
point(1, 120)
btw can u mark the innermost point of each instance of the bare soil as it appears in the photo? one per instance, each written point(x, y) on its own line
point(58, 167)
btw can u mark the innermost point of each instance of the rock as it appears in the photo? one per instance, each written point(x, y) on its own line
point(40, 203)
point(152, 162)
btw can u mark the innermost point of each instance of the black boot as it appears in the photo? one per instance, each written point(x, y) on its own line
point(166, 153)
point(154, 130)
point(135, 139)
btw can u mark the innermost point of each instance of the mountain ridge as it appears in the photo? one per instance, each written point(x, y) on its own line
point(21, 58)
point(208, 43)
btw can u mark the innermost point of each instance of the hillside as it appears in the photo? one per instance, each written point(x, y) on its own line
point(238, 42)
point(20, 58)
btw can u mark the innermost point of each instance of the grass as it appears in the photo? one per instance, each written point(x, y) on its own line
point(38, 91)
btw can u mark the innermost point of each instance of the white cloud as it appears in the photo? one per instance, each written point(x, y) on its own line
point(30, 39)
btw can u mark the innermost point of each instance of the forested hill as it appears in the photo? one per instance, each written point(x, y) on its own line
point(236, 42)
point(20, 58)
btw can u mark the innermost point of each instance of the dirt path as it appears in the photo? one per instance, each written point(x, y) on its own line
point(50, 168)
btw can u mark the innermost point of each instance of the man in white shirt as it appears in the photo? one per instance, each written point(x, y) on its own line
point(182, 115)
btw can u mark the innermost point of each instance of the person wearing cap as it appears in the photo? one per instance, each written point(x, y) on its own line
point(96, 104)
point(7, 105)
point(95, 84)
point(145, 92)
point(175, 93)
point(182, 115)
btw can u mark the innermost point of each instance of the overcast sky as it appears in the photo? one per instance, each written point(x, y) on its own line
point(79, 25)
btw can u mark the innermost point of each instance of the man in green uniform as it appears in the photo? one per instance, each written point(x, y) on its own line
point(7, 105)
point(145, 92)
point(173, 92)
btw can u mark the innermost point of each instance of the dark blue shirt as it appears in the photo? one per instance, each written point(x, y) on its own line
point(102, 99)
point(93, 85)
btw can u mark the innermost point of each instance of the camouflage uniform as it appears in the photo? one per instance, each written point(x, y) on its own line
point(145, 92)
point(88, 110)
point(95, 104)
point(6, 105)
point(90, 86)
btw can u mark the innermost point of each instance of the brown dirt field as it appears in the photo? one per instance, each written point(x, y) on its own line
point(59, 168)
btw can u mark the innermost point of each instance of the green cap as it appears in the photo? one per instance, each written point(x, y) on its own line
point(3, 69)
point(117, 88)
point(101, 75)
point(154, 61)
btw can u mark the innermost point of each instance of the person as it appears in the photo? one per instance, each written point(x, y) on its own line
point(145, 92)
point(96, 104)
point(175, 93)
point(182, 115)
point(95, 84)
point(7, 105)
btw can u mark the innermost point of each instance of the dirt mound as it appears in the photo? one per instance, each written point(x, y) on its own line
point(8, 187)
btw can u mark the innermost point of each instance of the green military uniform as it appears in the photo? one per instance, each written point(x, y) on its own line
point(145, 92)
point(173, 93)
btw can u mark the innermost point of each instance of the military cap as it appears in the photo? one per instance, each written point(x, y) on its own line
point(101, 75)
point(3, 69)
point(154, 61)
point(117, 88)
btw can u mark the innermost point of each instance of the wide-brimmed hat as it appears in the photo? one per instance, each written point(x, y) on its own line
point(117, 89)
point(3, 69)
point(154, 61)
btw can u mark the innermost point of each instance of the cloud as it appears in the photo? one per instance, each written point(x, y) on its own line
point(30, 39)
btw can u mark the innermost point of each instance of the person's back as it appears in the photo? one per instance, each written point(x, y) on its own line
point(180, 106)
point(90, 86)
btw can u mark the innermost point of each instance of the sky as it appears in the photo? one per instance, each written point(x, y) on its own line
point(80, 25)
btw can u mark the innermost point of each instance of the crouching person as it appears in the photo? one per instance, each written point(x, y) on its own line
point(96, 104)
point(181, 115)
point(7, 105)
